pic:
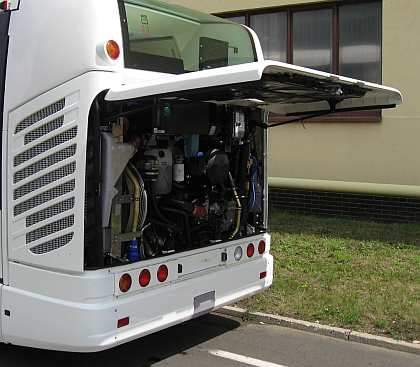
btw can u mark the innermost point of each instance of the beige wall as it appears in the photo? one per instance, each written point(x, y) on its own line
point(376, 152)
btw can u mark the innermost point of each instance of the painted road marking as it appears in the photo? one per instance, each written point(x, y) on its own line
point(243, 359)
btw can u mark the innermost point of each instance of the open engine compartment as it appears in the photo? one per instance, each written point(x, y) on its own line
point(166, 176)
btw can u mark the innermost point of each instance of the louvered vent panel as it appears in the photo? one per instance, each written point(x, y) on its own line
point(52, 245)
point(32, 190)
point(50, 212)
point(43, 130)
point(45, 197)
point(44, 180)
point(44, 163)
point(45, 146)
point(49, 229)
point(40, 115)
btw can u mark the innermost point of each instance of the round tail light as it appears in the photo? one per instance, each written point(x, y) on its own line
point(162, 273)
point(144, 278)
point(125, 282)
point(238, 253)
point(250, 250)
point(261, 247)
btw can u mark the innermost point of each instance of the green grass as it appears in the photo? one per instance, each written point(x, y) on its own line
point(360, 275)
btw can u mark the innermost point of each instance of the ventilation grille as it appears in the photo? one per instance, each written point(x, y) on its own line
point(52, 245)
point(43, 130)
point(40, 115)
point(49, 229)
point(50, 212)
point(44, 180)
point(45, 146)
point(52, 159)
point(44, 163)
point(45, 197)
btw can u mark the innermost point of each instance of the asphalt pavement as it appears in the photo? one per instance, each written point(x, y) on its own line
point(326, 330)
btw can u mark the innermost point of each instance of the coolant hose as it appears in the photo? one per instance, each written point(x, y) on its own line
point(150, 189)
point(184, 215)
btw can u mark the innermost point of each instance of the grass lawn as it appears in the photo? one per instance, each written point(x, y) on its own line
point(360, 275)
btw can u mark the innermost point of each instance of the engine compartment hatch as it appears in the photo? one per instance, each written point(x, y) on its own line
point(274, 86)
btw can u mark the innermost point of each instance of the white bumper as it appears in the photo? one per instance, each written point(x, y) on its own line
point(29, 319)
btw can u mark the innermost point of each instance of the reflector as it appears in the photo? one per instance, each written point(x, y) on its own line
point(123, 322)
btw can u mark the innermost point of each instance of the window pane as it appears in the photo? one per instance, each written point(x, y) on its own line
point(312, 39)
point(272, 32)
point(239, 19)
point(360, 41)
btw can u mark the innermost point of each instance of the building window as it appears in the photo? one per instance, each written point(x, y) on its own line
point(338, 37)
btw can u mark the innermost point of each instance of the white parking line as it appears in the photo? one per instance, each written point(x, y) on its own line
point(243, 359)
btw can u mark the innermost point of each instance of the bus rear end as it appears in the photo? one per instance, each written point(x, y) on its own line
point(124, 216)
point(134, 166)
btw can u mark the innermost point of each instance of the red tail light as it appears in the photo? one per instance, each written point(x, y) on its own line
point(144, 278)
point(250, 250)
point(263, 275)
point(125, 282)
point(162, 273)
point(261, 247)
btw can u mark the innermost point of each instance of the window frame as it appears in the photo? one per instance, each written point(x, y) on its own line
point(362, 116)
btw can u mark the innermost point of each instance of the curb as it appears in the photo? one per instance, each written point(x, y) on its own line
point(335, 332)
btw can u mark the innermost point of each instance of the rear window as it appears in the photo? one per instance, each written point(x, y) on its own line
point(167, 38)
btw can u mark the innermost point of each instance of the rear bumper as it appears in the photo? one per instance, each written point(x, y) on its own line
point(29, 319)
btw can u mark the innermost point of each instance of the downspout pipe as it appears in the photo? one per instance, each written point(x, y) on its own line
point(363, 188)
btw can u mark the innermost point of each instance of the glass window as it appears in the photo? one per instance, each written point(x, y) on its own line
point(312, 39)
point(163, 37)
point(271, 29)
point(239, 19)
point(360, 41)
point(340, 37)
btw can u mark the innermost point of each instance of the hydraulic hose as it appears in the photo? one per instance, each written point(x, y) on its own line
point(136, 199)
point(238, 206)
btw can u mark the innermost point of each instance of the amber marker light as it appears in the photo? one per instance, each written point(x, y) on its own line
point(125, 282)
point(112, 49)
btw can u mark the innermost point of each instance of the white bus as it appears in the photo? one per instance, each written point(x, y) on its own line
point(134, 165)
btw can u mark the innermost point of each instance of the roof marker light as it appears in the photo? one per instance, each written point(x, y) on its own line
point(113, 49)
point(108, 51)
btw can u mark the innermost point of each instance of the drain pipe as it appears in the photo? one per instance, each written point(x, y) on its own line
point(344, 187)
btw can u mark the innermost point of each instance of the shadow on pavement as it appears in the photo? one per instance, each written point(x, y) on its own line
point(139, 353)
